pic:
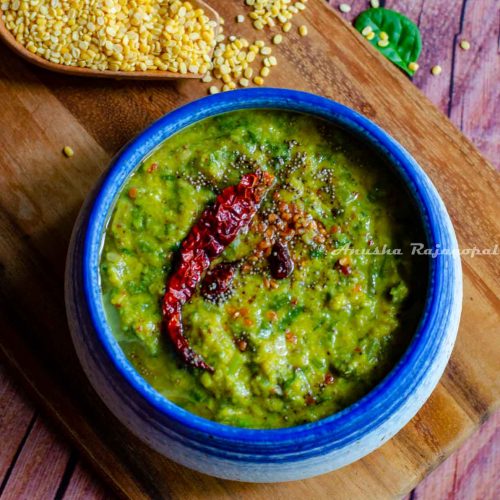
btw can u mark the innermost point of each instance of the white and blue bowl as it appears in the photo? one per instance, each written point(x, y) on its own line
point(278, 454)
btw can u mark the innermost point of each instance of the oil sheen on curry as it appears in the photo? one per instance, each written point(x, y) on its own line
point(243, 269)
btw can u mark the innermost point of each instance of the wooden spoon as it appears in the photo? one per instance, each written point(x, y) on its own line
point(22, 51)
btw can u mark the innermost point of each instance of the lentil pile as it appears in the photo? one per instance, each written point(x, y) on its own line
point(234, 57)
point(274, 12)
point(117, 35)
point(232, 63)
point(148, 35)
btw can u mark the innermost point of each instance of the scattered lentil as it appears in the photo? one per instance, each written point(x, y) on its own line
point(273, 12)
point(366, 30)
point(436, 70)
point(413, 66)
point(383, 43)
point(277, 39)
point(370, 35)
point(68, 151)
point(464, 45)
point(375, 4)
point(344, 7)
point(232, 59)
point(258, 25)
point(383, 35)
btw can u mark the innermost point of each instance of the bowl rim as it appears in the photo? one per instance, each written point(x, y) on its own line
point(394, 390)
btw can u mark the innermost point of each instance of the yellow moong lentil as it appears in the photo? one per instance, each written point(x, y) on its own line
point(68, 151)
point(232, 58)
point(273, 12)
point(116, 35)
point(367, 30)
point(436, 70)
point(464, 45)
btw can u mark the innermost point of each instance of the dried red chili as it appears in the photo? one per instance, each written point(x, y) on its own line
point(280, 261)
point(217, 227)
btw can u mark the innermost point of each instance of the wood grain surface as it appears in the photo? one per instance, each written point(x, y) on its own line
point(41, 192)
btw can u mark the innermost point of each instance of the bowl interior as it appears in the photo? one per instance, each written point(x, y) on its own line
point(397, 385)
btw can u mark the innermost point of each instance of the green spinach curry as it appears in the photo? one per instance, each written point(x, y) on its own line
point(286, 348)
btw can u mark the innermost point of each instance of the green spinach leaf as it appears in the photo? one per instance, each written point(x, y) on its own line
point(404, 42)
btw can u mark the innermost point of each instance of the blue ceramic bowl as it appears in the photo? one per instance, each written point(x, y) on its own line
point(263, 455)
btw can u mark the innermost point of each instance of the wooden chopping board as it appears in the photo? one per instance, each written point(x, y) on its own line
point(41, 192)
